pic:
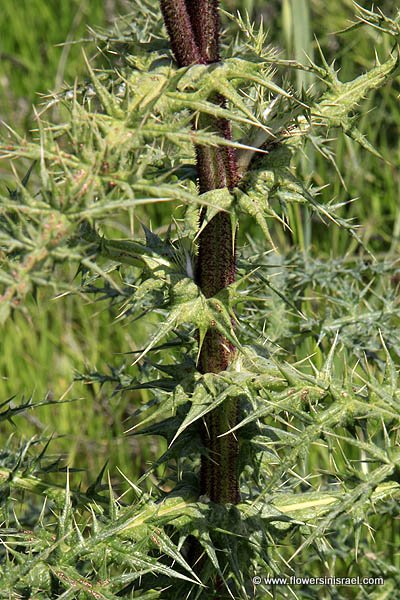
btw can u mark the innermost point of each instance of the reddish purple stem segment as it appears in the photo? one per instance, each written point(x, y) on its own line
point(193, 27)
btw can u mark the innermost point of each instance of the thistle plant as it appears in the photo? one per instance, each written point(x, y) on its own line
point(270, 373)
point(194, 32)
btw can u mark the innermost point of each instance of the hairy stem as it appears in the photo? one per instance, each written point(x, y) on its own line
point(193, 27)
point(179, 27)
point(204, 18)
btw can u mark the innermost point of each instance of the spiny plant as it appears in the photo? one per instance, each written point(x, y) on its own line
point(275, 462)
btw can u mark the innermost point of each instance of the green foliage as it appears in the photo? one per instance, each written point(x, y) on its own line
point(33, 56)
point(126, 141)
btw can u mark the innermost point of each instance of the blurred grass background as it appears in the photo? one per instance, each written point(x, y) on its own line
point(43, 348)
point(37, 48)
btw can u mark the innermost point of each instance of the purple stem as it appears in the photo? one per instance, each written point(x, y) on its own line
point(193, 28)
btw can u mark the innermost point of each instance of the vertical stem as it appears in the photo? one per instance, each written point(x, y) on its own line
point(180, 32)
point(216, 270)
point(204, 17)
point(193, 27)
